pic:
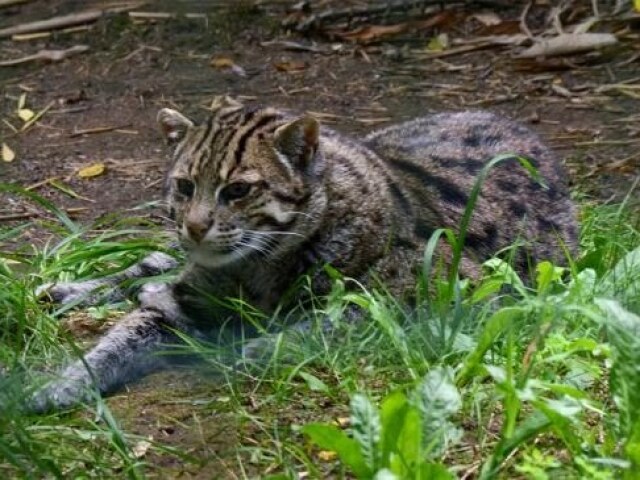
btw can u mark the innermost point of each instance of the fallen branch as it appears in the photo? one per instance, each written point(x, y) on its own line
point(27, 215)
point(64, 21)
point(376, 11)
point(11, 3)
point(46, 55)
point(568, 44)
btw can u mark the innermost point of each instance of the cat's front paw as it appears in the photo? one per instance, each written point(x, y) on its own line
point(87, 293)
point(60, 395)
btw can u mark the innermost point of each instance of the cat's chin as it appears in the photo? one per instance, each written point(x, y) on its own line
point(215, 259)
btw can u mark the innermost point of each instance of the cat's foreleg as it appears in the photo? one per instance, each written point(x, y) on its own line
point(108, 289)
point(128, 351)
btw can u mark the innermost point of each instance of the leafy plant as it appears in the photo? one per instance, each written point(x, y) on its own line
point(403, 438)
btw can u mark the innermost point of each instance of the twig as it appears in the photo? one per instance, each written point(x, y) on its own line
point(36, 117)
point(10, 3)
point(33, 186)
point(381, 9)
point(87, 131)
point(27, 215)
point(46, 55)
point(166, 15)
point(523, 20)
point(458, 50)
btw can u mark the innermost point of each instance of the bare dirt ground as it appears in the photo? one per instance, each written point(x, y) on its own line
point(99, 107)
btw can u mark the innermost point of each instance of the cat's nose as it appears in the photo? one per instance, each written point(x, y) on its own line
point(197, 229)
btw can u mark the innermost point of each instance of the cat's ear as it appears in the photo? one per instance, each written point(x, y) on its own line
point(298, 140)
point(173, 124)
point(224, 102)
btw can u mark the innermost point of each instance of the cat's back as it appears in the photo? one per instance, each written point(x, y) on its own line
point(436, 159)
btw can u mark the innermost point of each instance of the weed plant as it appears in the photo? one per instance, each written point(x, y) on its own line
point(504, 378)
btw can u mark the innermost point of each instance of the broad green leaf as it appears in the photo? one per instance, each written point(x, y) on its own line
point(329, 437)
point(409, 443)
point(313, 382)
point(385, 474)
point(434, 471)
point(366, 428)
point(624, 278)
point(505, 273)
point(632, 452)
point(492, 329)
point(393, 411)
point(438, 399)
point(487, 288)
point(547, 274)
point(527, 430)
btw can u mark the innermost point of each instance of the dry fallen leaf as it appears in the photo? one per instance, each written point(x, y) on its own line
point(372, 33)
point(140, 449)
point(92, 170)
point(25, 114)
point(488, 19)
point(8, 155)
point(438, 43)
point(225, 63)
point(290, 66)
point(343, 422)
point(327, 455)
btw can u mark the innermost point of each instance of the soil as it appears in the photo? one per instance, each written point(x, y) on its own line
point(132, 68)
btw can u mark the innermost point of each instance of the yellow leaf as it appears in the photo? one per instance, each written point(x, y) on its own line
point(222, 62)
point(92, 170)
point(636, 5)
point(139, 450)
point(25, 114)
point(8, 155)
point(327, 456)
point(439, 43)
point(343, 422)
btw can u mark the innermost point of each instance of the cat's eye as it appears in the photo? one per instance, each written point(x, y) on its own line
point(235, 191)
point(185, 187)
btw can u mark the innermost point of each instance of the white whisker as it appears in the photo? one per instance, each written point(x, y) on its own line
point(267, 233)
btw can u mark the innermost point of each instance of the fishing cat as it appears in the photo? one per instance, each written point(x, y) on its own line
point(260, 197)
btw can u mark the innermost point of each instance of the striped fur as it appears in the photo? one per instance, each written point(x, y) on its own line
point(261, 196)
point(364, 205)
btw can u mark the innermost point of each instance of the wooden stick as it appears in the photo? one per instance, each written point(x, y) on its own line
point(27, 215)
point(53, 23)
point(86, 131)
point(63, 21)
point(11, 3)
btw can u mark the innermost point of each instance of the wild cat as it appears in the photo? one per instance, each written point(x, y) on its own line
point(261, 196)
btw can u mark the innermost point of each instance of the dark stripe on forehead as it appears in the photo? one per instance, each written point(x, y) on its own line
point(242, 141)
point(205, 135)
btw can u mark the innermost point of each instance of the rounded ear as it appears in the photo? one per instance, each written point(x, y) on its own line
point(221, 102)
point(298, 140)
point(173, 124)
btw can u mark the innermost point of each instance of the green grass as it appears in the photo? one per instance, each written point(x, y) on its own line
point(502, 379)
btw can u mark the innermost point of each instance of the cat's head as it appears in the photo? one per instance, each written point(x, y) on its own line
point(245, 184)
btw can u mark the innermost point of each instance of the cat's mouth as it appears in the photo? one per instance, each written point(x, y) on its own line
point(215, 253)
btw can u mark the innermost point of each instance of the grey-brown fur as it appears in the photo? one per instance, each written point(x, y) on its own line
point(316, 198)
